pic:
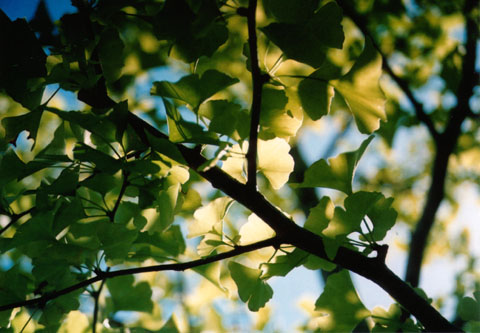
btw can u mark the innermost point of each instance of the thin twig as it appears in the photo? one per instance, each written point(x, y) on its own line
point(96, 296)
point(275, 242)
point(14, 218)
point(120, 195)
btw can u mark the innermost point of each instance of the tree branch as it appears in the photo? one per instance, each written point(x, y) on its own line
point(289, 232)
point(14, 218)
point(447, 143)
point(275, 242)
point(96, 296)
point(402, 83)
point(257, 83)
point(111, 214)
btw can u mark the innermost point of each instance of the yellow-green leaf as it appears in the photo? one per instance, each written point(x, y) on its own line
point(255, 230)
point(361, 91)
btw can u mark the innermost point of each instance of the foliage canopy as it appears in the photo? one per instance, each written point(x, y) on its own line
point(113, 188)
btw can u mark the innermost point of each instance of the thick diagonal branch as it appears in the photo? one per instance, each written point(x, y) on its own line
point(289, 232)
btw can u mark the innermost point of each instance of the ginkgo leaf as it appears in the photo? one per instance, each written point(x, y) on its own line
point(192, 89)
point(274, 161)
point(28, 122)
point(121, 288)
point(209, 217)
point(320, 216)
point(340, 305)
point(348, 220)
point(226, 118)
point(357, 206)
point(307, 41)
point(361, 90)
point(469, 308)
point(235, 164)
point(391, 320)
point(316, 93)
point(255, 230)
point(274, 119)
point(250, 287)
point(291, 11)
point(338, 172)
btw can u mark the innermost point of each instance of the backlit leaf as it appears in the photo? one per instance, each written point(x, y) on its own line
point(361, 90)
point(307, 41)
point(315, 91)
point(251, 288)
point(209, 217)
point(338, 172)
point(274, 161)
point(340, 305)
point(122, 289)
point(192, 89)
point(255, 230)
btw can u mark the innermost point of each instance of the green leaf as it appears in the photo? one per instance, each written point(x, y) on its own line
point(110, 53)
point(192, 89)
point(180, 130)
point(255, 230)
point(69, 212)
point(193, 34)
point(166, 147)
point(307, 41)
point(340, 305)
point(127, 296)
point(100, 182)
point(274, 119)
point(274, 161)
point(338, 172)
point(320, 216)
point(357, 206)
point(226, 118)
point(361, 90)
point(251, 288)
point(12, 292)
point(115, 239)
point(21, 62)
point(383, 216)
point(291, 11)
point(25, 122)
point(209, 217)
point(391, 320)
point(101, 126)
point(11, 167)
point(130, 212)
point(65, 184)
point(284, 264)
point(469, 308)
point(102, 161)
point(55, 310)
point(166, 203)
point(316, 93)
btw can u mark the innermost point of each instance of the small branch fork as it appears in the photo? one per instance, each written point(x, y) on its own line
point(275, 242)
